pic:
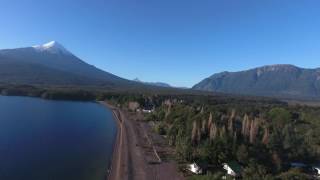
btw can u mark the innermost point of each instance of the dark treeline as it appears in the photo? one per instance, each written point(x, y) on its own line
point(48, 93)
point(88, 93)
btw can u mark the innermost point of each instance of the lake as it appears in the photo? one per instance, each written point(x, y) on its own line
point(54, 140)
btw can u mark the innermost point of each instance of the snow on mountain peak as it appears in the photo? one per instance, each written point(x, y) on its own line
point(52, 47)
point(49, 44)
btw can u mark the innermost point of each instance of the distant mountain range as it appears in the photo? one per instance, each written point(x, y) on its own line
point(159, 84)
point(52, 64)
point(286, 81)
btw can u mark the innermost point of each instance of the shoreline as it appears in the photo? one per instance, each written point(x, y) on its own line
point(116, 155)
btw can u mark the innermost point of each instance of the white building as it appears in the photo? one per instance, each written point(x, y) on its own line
point(317, 169)
point(232, 168)
point(195, 168)
point(298, 165)
point(147, 110)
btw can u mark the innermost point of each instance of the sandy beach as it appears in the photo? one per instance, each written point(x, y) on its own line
point(136, 152)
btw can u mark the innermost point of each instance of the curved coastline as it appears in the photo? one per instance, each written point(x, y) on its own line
point(114, 166)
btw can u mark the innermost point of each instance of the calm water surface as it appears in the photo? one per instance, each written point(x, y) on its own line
point(54, 140)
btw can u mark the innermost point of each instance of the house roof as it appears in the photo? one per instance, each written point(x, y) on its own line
point(301, 165)
point(316, 167)
point(235, 166)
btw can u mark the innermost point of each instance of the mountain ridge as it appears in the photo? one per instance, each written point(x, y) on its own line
point(159, 84)
point(280, 80)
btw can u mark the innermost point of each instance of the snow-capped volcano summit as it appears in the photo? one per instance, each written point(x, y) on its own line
point(52, 47)
point(52, 64)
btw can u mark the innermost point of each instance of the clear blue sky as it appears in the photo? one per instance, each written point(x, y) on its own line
point(175, 41)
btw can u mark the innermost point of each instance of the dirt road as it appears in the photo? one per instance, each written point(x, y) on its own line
point(135, 154)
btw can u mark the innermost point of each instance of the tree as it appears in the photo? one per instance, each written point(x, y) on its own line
point(219, 153)
point(216, 176)
point(213, 132)
point(231, 121)
point(245, 126)
point(276, 161)
point(242, 154)
point(184, 149)
point(265, 138)
point(222, 132)
point(196, 134)
point(293, 174)
point(255, 171)
point(254, 130)
point(288, 139)
point(160, 129)
point(279, 116)
point(204, 127)
point(210, 121)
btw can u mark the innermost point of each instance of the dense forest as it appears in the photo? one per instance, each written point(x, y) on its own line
point(263, 135)
point(56, 93)
point(90, 93)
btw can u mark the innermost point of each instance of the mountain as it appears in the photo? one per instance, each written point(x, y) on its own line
point(52, 47)
point(275, 80)
point(159, 84)
point(52, 64)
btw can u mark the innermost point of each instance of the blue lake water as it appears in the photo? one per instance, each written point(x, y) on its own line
point(54, 140)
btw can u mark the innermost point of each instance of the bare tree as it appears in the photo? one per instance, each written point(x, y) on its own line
point(254, 128)
point(245, 125)
point(210, 122)
point(194, 131)
point(213, 132)
point(168, 111)
point(198, 135)
point(276, 160)
point(204, 127)
point(265, 139)
point(231, 122)
point(222, 131)
point(202, 110)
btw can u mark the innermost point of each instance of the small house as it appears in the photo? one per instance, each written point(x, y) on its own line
point(298, 165)
point(195, 168)
point(309, 169)
point(148, 109)
point(232, 168)
point(317, 170)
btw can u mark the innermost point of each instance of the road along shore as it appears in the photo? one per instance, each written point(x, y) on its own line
point(135, 157)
